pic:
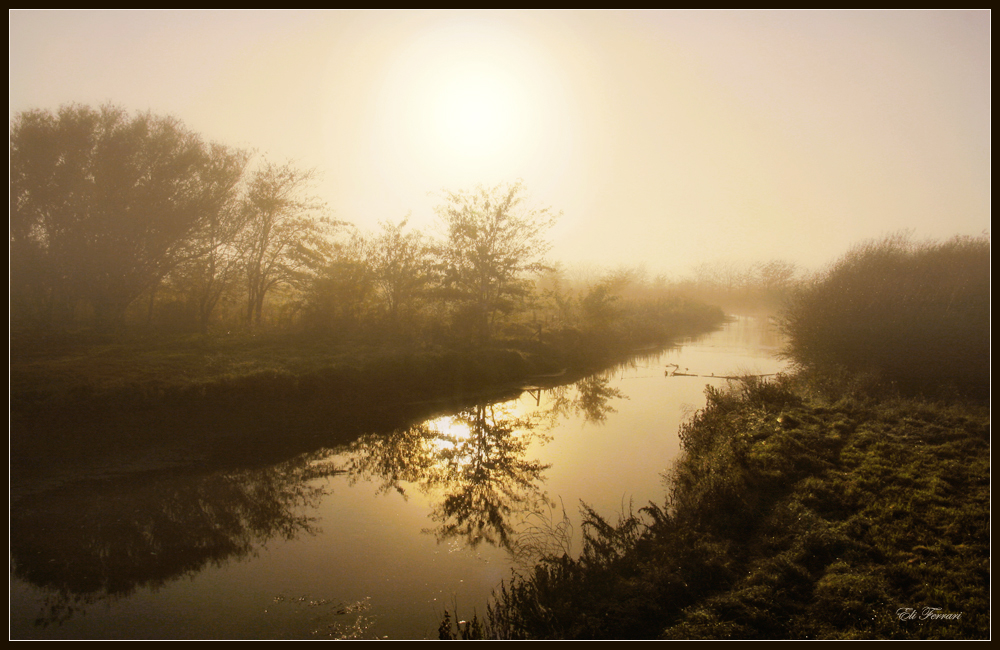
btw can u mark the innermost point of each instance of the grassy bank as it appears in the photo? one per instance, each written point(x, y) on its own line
point(64, 371)
point(262, 398)
point(788, 517)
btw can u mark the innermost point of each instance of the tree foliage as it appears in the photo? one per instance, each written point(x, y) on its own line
point(213, 272)
point(494, 243)
point(103, 205)
point(339, 299)
point(401, 263)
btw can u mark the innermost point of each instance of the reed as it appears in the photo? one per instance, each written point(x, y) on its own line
point(913, 317)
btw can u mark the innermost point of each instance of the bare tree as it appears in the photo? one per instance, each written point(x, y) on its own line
point(284, 239)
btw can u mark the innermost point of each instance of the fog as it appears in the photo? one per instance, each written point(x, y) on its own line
point(346, 324)
point(666, 138)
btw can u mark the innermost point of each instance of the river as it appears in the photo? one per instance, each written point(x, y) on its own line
point(374, 539)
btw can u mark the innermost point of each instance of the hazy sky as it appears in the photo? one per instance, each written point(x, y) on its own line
point(666, 138)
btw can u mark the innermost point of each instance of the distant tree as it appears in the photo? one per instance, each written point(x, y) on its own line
point(339, 299)
point(284, 240)
point(215, 269)
point(494, 243)
point(775, 275)
point(401, 264)
point(600, 305)
point(104, 205)
point(740, 286)
point(558, 297)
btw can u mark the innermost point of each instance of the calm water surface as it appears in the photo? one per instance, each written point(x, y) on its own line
point(370, 540)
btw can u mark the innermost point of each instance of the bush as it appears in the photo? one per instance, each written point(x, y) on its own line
point(914, 315)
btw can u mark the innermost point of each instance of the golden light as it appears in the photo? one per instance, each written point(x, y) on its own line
point(450, 430)
point(476, 113)
point(469, 101)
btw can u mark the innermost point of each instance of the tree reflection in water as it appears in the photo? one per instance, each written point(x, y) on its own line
point(588, 398)
point(488, 479)
point(104, 539)
point(476, 460)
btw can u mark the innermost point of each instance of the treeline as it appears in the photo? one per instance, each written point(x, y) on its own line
point(124, 222)
point(743, 287)
point(109, 211)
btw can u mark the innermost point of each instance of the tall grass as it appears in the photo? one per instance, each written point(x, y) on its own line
point(914, 316)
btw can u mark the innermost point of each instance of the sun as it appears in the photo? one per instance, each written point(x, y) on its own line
point(476, 113)
point(467, 102)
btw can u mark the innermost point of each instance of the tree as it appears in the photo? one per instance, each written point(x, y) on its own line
point(494, 242)
point(600, 306)
point(341, 295)
point(208, 276)
point(775, 281)
point(283, 241)
point(104, 205)
point(401, 265)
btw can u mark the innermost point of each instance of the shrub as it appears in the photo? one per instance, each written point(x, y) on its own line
point(914, 315)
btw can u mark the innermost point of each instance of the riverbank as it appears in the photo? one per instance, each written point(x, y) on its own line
point(788, 517)
point(71, 371)
point(371, 533)
point(255, 399)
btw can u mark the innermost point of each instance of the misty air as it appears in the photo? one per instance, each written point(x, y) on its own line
point(499, 324)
